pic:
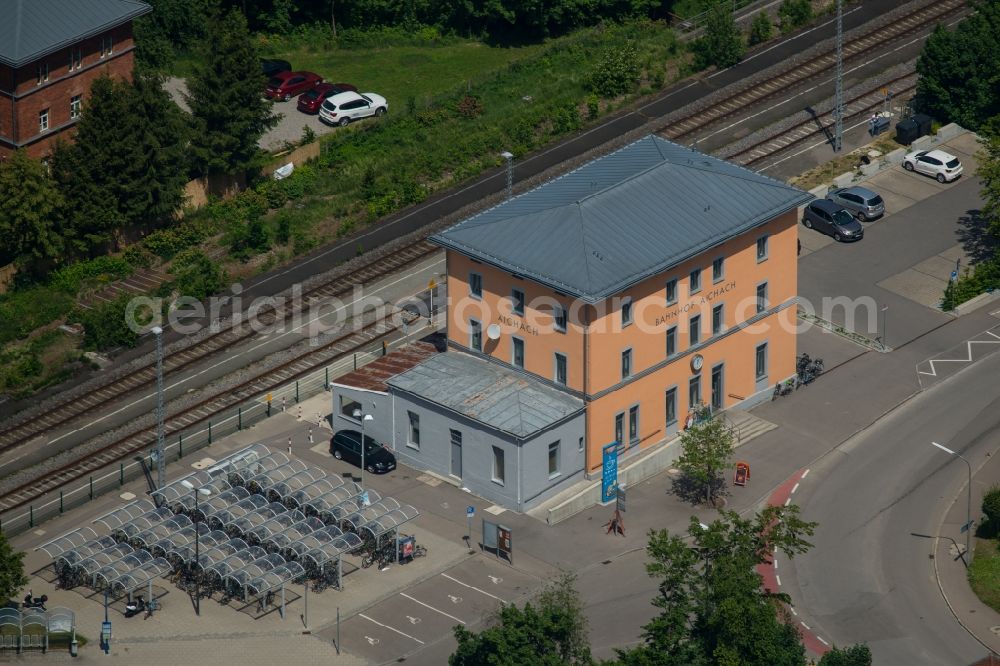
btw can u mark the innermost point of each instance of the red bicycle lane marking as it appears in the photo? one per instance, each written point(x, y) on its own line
point(769, 572)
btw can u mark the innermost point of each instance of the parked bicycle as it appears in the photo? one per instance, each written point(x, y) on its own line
point(808, 369)
point(784, 388)
point(383, 556)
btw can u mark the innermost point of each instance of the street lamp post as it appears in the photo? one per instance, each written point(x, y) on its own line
point(363, 417)
point(884, 317)
point(197, 555)
point(509, 157)
point(160, 450)
point(968, 503)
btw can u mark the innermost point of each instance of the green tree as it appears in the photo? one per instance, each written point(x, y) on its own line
point(196, 275)
point(229, 112)
point(721, 44)
point(712, 607)
point(127, 165)
point(991, 508)
point(105, 325)
point(174, 26)
point(760, 29)
point(552, 631)
point(958, 69)
point(29, 216)
point(793, 13)
point(12, 577)
point(856, 655)
point(617, 72)
point(706, 449)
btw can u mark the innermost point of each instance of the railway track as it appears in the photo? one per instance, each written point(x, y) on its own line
point(685, 129)
point(855, 107)
point(71, 409)
point(260, 384)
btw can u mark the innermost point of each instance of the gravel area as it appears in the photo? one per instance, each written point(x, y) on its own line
point(289, 129)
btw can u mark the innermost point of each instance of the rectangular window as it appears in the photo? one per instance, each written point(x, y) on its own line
point(633, 425)
point(695, 330)
point(499, 472)
point(106, 46)
point(43, 73)
point(672, 292)
point(626, 312)
point(348, 407)
point(560, 373)
point(517, 352)
point(620, 428)
point(43, 120)
point(762, 248)
point(760, 362)
point(75, 104)
point(553, 459)
point(718, 269)
point(626, 364)
point(717, 390)
point(517, 301)
point(671, 341)
point(671, 406)
point(694, 392)
point(75, 59)
point(579, 446)
point(475, 335)
point(559, 318)
point(761, 297)
point(718, 321)
point(414, 439)
point(476, 285)
point(694, 281)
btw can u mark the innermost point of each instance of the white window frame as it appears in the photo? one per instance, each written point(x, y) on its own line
point(107, 45)
point(414, 427)
point(43, 121)
point(75, 106)
point(556, 473)
point(514, 340)
point(499, 456)
point(42, 74)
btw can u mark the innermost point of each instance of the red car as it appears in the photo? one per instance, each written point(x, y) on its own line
point(313, 99)
point(287, 85)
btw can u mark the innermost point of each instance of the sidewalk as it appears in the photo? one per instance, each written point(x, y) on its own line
point(978, 619)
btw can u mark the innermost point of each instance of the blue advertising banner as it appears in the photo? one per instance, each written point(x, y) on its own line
point(609, 471)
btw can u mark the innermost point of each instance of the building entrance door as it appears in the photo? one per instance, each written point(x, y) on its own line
point(717, 378)
point(456, 453)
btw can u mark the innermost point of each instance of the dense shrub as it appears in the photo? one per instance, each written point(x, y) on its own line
point(760, 29)
point(196, 275)
point(105, 325)
point(617, 72)
point(991, 509)
point(794, 13)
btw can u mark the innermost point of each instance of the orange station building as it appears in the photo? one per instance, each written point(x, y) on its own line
point(646, 283)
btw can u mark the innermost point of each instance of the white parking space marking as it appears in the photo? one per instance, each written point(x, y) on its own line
point(436, 610)
point(804, 474)
point(472, 587)
point(389, 628)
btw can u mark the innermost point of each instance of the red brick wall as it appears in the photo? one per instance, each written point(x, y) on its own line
point(56, 94)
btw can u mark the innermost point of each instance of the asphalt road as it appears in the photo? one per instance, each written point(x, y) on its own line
point(868, 578)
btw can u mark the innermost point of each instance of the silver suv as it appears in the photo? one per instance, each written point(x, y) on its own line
point(863, 203)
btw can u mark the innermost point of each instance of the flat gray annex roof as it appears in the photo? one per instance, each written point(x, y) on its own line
point(495, 396)
point(621, 218)
point(31, 29)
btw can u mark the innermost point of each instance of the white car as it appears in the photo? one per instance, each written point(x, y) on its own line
point(937, 163)
point(342, 108)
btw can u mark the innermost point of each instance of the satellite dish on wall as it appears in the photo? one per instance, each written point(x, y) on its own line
point(493, 331)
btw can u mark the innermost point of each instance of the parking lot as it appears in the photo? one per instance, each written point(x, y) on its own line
point(426, 612)
point(903, 264)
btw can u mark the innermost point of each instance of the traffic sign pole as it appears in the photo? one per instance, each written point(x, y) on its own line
point(470, 513)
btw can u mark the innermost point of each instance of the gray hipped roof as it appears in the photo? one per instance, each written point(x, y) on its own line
point(621, 218)
point(486, 392)
point(30, 29)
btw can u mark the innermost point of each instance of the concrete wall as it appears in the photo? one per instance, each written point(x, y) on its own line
point(379, 405)
point(478, 441)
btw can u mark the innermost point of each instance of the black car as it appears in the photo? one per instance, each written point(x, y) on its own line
point(346, 445)
point(272, 67)
point(830, 218)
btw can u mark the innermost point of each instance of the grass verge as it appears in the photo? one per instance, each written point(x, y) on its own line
point(984, 572)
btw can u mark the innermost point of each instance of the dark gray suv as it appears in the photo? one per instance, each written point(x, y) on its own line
point(826, 216)
point(862, 202)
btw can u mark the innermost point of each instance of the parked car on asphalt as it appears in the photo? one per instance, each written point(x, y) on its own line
point(943, 166)
point(346, 445)
point(830, 218)
point(272, 67)
point(311, 100)
point(286, 85)
point(865, 204)
point(347, 106)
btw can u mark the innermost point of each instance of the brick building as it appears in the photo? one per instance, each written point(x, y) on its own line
point(50, 53)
